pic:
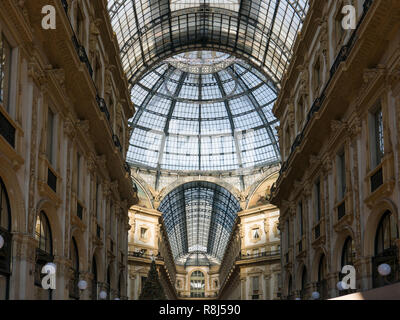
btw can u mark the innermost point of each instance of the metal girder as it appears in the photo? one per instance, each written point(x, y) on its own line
point(195, 28)
point(234, 135)
point(261, 114)
point(221, 209)
point(166, 128)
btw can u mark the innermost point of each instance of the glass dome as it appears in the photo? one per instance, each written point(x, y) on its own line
point(203, 111)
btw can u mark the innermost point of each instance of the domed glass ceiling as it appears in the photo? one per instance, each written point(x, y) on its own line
point(262, 32)
point(203, 111)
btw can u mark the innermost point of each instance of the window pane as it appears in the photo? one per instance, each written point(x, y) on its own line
point(5, 71)
point(50, 136)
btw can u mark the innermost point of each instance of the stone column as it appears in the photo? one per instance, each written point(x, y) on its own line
point(243, 287)
point(63, 266)
point(23, 262)
point(86, 294)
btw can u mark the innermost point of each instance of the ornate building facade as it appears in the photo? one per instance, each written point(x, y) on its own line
point(249, 148)
point(65, 189)
point(249, 267)
point(338, 190)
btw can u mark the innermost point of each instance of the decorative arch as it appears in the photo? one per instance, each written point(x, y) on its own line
point(82, 252)
point(289, 288)
point(299, 275)
point(268, 175)
point(121, 284)
point(315, 265)
point(15, 196)
point(339, 243)
point(374, 218)
point(50, 210)
point(197, 277)
point(183, 180)
point(145, 188)
point(98, 256)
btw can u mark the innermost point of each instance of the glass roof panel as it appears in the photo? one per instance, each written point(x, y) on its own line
point(261, 31)
point(185, 4)
point(199, 217)
point(198, 123)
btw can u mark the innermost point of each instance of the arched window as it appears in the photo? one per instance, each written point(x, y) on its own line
point(120, 283)
point(386, 251)
point(5, 209)
point(95, 279)
point(5, 251)
point(197, 285)
point(73, 283)
point(290, 288)
point(348, 253)
point(44, 251)
point(347, 259)
point(322, 284)
point(303, 284)
point(109, 282)
point(43, 234)
point(386, 234)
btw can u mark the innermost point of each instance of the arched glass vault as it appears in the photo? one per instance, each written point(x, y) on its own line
point(262, 32)
point(203, 111)
point(199, 217)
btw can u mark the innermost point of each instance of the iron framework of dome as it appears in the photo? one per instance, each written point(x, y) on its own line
point(262, 32)
point(199, 217)
point(213, 115)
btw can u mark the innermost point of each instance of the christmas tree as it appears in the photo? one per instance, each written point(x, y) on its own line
point(152, 289)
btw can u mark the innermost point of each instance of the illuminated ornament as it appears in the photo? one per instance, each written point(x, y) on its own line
point(50, 265)
point(103, 295)
point(340, 286)
point(315, 295)
point(384, 269)
point(1, 242)
point(82, 285)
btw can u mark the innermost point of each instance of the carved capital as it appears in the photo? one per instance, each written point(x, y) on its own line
point(84, 126)
point(69, 128)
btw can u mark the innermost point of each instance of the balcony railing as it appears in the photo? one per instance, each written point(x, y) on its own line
point(390, 257)
point(145, 256)
point(51, 180)
point(300, 246)
point(42, 258)
point(342, 57)
point(341, 210)
point(98, 231)
point(377, 180)
point(258, 255)
point(303, 294)
point(317, 231)
point(103, 106)
point(79, 210)
point(111, 245)
point(7, 130)
point(127, 168)
point(81, 51)
point(322, 289)
point(73, 285)
point(5, 252)
point(117, 142)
